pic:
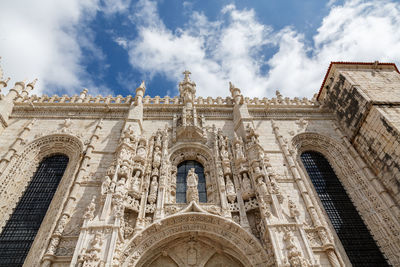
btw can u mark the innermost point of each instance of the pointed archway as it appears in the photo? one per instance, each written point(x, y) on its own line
point(206, 238)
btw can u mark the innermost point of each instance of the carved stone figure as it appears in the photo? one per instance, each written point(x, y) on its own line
point(293, 211)
point(136, 182)
point(224, 154)
point(89, 214)
point(247, 190)
point(263, 190)
point(230, 190)
point(153, 190)
point(238, 151)
point(120, 189)
point(192, 193)
point(106, 185)
point(294, 255)
point(141, 151)
point(157, 157)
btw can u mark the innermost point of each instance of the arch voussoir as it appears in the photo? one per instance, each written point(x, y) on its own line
point(248, 249)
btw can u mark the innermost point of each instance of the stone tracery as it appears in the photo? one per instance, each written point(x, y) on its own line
point(258, 199)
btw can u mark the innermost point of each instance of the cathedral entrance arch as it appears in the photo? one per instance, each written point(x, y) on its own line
point(194, 239)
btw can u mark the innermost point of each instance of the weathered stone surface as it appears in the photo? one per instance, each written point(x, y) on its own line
point(116, 203)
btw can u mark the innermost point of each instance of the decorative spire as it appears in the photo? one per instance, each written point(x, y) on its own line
point(187, 78)
point(142, 85)
point(32, 84)
point(236, 94)
point(140, 93)
point(187, 89)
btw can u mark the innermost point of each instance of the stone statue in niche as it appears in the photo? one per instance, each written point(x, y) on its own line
point(120, 189)
point(246, 187)
point(153, 190)
point(263, 190)
point(192, 194)
point(106, 185)
point(158, 139)
point(141, 151)
point(238, 151)
point(230, 190)
point(136, 181)
point(157, 157)
point(224, 154)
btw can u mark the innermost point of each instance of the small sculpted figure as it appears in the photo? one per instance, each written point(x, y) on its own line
point(153, 190)
point(120, 189)
point(192, 194)
point(136, 182)
point(106, 185)
point(157, 158)
point(239, 151)
point(230, 190)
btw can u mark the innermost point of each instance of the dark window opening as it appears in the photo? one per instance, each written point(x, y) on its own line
point(20, 230)
point(183, 170)
point(350, 228)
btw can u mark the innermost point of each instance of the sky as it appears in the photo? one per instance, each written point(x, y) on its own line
point(110, 46)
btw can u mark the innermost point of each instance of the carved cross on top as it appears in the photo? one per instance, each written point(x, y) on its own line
point(186, 73)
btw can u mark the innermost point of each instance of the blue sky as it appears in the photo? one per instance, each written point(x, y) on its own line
point(109, 46)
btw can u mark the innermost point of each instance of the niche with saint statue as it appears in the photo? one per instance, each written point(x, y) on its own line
point(190, 182)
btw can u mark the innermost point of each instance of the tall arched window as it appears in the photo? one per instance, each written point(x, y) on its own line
point(350, 228)
point(20, 230)
point(183, 170)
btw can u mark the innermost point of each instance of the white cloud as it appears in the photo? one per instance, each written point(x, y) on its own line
point(231, 48)
point(123, 42)
point(111, 7)
point(45, 39)
point(356, 31)
point(212, 52)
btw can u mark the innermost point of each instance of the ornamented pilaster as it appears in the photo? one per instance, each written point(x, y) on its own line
point(309, 202)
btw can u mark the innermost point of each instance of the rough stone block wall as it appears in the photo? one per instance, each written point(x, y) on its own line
point(367, 103)
point(348, 102)
point(378, 142)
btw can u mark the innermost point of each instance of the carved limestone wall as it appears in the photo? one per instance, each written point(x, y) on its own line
point(116, 204)
point(370, 202)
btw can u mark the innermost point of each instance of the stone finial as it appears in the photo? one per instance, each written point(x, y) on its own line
point(140, 93)
point(236, 94)
point(3, 84)
point(32, 84)
point(186, 78)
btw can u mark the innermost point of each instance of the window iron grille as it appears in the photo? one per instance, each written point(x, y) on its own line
point(350, 228)
point(20, 230)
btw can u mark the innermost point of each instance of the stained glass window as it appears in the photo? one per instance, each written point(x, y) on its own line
point(350, 228)
point(20, 230)
point(183, 170)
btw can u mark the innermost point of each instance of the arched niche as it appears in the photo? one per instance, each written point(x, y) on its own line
point(203, 155)
point(21, 169)
point(360, 190)
point(214, 234)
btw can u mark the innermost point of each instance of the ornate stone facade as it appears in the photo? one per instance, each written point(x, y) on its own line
point(117, 204)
